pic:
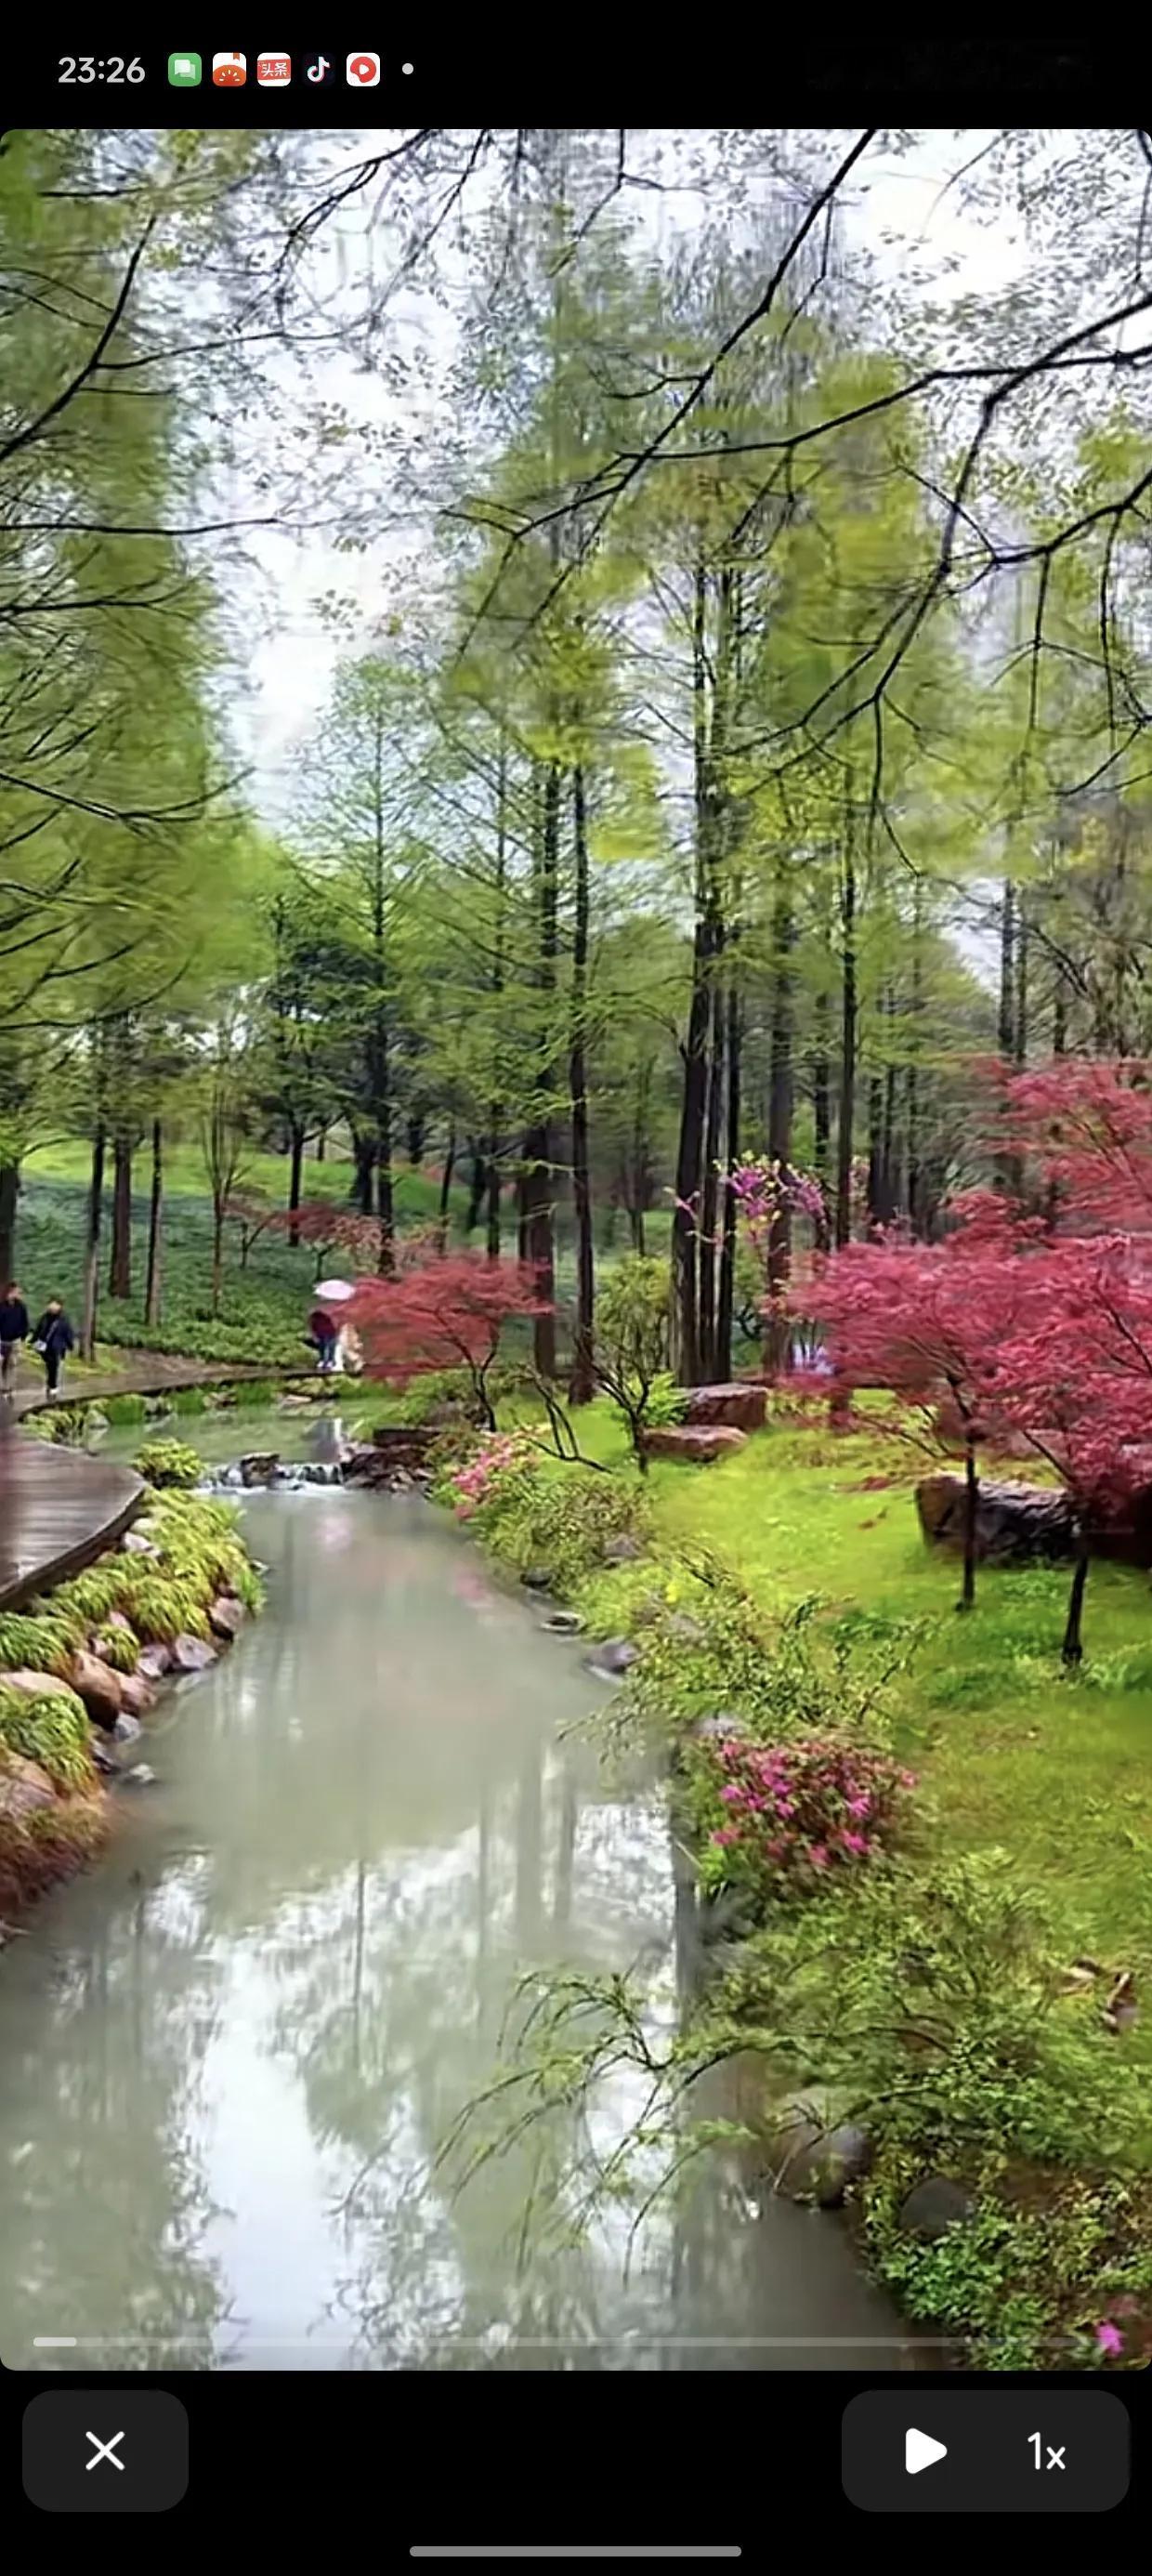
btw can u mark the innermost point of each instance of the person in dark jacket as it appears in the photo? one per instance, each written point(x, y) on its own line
point(13, 1331)
point(323, 1334)
point(53, 1338)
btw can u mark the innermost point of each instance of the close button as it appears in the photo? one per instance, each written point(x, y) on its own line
point(115, 2450)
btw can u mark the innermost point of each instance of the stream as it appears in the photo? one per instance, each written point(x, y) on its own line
point(229, 2053)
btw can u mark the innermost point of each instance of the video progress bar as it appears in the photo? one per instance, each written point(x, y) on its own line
point(627, 2549)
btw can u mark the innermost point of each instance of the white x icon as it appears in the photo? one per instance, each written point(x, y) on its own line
point(103, 2451)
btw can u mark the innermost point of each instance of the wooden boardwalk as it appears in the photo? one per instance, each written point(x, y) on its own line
point(146, 1373)
point(58, 1509)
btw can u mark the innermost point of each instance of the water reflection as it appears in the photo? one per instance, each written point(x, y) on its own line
point(231, 2054)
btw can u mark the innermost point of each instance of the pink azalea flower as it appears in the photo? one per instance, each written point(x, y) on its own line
point(818, 1855)
point(732, 1794)
point(860, 1806)
point(724, 1835)
point(855, 1842)
point(1109, 2338)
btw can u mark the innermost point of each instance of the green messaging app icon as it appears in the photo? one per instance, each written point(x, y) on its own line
point(184, 70)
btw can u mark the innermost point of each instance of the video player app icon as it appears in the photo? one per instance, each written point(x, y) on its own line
point(362, 71)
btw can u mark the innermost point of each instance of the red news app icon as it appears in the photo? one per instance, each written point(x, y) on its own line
point(274, 71)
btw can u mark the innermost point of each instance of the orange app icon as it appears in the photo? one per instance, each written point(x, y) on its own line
point(229, 71)
point(274, 71)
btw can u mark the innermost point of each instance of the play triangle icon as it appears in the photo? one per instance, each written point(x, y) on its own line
point(921, 2452)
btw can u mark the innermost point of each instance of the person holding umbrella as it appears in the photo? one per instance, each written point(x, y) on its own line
point(323, 1330)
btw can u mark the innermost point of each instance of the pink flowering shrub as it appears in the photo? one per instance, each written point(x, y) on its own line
point(783, 1819)
point(497, 1456)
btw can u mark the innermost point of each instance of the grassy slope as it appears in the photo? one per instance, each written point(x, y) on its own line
point(1010, 1751)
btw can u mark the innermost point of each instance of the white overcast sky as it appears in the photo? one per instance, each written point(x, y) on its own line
point(284, 651)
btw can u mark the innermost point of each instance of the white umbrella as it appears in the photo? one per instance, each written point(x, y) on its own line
point(336, 1290)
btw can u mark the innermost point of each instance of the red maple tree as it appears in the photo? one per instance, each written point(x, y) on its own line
point(923, 1322)
point(329, 1228)
point(449, 1311)
point(1074, 1374)
point(1086, 1126)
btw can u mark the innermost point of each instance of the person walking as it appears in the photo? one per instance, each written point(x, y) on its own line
point(13, 1331)
point(53, 1339)
point(322, 1333)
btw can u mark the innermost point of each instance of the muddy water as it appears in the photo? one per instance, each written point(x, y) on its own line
point(229, 2055)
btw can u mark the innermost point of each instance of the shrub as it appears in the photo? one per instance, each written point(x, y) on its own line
point(39, 1645)
point(560, 1519)
point(117, 1647)
point(51, 1730)
point(168, 1462)
point(779, 1818)
point(125, 1408)
point(712, 1647)
point(161, 1608)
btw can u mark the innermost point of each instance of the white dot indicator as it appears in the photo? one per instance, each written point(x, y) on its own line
point(405, 67)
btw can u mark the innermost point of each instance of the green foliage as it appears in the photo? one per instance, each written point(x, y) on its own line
point(666, 1402)
point(117, 1647)
point(168, 1462)
point(38, 1645)
point(51, 1730)
point(560, 1519)
point(120, 1409)
point(89, 1597)
point(712, 1647)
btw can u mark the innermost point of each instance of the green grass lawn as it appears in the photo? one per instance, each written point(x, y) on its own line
point(1011, 1750)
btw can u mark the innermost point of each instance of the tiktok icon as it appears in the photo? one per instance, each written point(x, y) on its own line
point(320, 70)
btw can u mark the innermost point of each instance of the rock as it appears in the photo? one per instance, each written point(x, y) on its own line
point(137, 1694)
point(141, 1776)
point(623, 1549)
point(226, 1617)
point(37, 1685)
point(134, 1545)
point(192, 1654)
point(698, 1444)
point(1015, 1523)
point(99, 1688)
point(935, 2205)
point(688, 1631)
point(154, 1661)
point(716, 1726)
point(126, 1729)
point(537, 1579)
point(118, 1619)
point(815, 2164)
point(24, 1788)
point(615, 1657)
point(259, 1467)
point(101, 1756)
point(738, 1407)
point(563, 1623)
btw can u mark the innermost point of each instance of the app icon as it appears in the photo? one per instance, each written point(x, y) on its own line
point(229, 71)
point(319, 69)
point(184, 71)
point(363, 71)
point(274, 71)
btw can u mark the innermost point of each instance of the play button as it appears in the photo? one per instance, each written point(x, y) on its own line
point(921, 2452)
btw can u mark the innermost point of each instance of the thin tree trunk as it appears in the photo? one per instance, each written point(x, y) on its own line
point(912, 1080)
point(92, 1249)
point(780, 1098)
point(875, 1150)
point(385, 1262)
point(710, 1185)
point(415, 1138)
point(120, 1261)
point(478, 1188)
point(971, 1500)
point(539, 1177)
point(217, 1253)
point(295, 1175)
point(848, 1024)
point(496, 1109)
point(726, 1299)
point(1059, 1014)
point(1072, 1649)
point(822, 1102)
point(364, 1152)
point(9, 1195)
point(446, 1189)
point(1007, 1018)
point(321, 1141)
point(583, 1383)
point(1020, 1032)
point(155, 1228)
